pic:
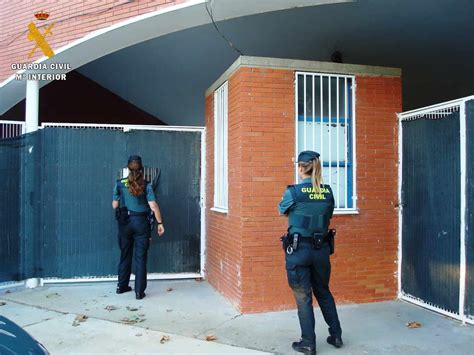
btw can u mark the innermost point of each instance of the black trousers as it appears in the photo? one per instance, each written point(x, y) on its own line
point(134, 242)
point(308, 272)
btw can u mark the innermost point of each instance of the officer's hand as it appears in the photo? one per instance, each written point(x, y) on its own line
point(160, 230)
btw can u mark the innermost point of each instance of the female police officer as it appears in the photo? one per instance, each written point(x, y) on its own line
point(133, 199)
point(309, 207)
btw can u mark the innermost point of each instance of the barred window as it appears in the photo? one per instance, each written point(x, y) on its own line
point(220, 149)
point(325, 123)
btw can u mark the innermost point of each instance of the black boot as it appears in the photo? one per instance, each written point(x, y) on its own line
point(305, 349)
point(335, 341)
point(123, 289)
point(139, 296)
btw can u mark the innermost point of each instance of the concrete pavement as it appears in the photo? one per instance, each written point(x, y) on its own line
point(188, 311)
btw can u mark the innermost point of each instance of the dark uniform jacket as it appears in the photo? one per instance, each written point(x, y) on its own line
point(308, 211)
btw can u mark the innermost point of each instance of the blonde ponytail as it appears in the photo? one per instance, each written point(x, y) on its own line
point(313, 168)
point(316, 176)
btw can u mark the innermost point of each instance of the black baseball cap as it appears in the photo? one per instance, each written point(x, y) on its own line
point(136, 158)
point(307, 155)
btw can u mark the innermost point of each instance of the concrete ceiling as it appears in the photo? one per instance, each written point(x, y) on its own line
point(431, 40)
point(138, 29)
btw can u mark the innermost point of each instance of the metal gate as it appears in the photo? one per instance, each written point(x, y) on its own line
point(436, 263)
point(65, 194)
point(10, 129)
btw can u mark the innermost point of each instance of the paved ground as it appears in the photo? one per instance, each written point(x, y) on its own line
point(189, 311)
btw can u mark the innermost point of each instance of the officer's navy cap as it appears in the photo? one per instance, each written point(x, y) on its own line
point(306, 156)
point(136, 158)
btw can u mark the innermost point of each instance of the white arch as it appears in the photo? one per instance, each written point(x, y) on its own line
point(141, 28)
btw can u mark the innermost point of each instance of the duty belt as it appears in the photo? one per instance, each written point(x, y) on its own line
point(132, 213)
point(310, 239)
point(317, 240)
point(290, 242)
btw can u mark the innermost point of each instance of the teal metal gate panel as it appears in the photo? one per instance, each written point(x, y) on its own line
point(57, 216)
point(178, 155)
point(79, 231)
point(19, 216)
point(431, 211)
point(10, 250)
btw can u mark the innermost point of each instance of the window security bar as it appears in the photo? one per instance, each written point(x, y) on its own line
point(325, 123)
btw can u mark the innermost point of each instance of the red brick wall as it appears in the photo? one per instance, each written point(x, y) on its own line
point(261, 129)
point(73, 20)
point(223, 231)
point(267, 151)
point(365, 264)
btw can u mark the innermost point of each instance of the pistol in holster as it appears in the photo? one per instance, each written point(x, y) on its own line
point(331, 235)
point(151, 220)
point(122, 216)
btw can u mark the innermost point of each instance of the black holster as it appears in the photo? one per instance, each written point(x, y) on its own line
point(331, 235)
point(151, 220)
point(122, 216)
point(286, 240)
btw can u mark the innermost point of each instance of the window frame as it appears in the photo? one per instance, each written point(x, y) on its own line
point(221, 144)
point(350, 119)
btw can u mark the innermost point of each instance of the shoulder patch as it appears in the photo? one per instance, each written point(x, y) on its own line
point(124, 181)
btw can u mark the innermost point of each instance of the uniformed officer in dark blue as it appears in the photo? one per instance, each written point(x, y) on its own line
point(309, 207)
point(133, 202)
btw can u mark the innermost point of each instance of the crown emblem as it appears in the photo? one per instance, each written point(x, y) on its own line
point(41, 15)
